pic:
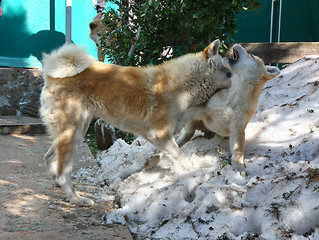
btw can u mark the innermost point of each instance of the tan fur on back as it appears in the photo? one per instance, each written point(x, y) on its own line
point(135, 93)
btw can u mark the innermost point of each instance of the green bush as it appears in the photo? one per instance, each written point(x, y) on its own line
point(182, 26)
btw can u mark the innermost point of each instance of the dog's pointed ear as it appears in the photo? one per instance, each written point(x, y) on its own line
point(271, 72)
point(212, 49)
point(92, 25)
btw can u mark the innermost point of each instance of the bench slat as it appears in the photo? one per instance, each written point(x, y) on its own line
point(283, 52)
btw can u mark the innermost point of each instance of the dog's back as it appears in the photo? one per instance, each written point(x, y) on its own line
point(105, 90)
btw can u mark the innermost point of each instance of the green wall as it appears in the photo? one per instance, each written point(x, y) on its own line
point(29, 27)
point(299, 22)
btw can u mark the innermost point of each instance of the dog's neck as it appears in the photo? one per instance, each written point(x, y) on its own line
point(245, 91)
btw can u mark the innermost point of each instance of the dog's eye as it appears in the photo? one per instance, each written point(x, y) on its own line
point(228, 75)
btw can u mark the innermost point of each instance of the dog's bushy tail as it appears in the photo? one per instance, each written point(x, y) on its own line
point(66, 61)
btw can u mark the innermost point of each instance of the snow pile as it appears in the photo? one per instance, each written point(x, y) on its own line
point(279, 198)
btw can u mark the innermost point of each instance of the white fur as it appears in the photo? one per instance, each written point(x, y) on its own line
point(66, 61)
point(229, 110)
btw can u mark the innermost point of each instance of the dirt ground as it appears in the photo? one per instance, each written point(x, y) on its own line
point(32, 207)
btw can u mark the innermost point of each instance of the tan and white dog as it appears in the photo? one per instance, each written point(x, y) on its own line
point(96, 30)
point(229, 110)
point(147, 101)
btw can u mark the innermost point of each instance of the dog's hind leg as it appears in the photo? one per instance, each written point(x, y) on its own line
point(51, 162)
point(192, 119)
point(196, 113)
point(66, 145)
point(187, 134)
point(59, 158)
point(51, 157)
point(189, 131)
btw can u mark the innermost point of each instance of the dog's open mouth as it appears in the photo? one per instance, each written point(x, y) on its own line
point(236, 55)
point(235, 58)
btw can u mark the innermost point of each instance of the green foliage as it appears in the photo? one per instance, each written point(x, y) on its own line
point(90, 140)
point(212, 208)
point(252, 236)
point(287, 195)
point(164, 222)
point(126, 136)
point(224, 159)
point(182, 26)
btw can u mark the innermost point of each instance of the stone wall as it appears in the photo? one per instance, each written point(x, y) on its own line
point(19, 91)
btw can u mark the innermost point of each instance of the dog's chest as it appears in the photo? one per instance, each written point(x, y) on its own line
point(219, 120)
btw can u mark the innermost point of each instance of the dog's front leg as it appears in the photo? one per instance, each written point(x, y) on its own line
point(169, 148)
point(237, 146)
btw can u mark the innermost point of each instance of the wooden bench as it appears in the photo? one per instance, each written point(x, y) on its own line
point(283, 52)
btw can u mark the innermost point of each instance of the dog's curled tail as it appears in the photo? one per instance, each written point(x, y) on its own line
point(66, 61)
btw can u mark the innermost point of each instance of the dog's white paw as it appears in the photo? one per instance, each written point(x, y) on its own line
point(239, 168)
point(82, 202)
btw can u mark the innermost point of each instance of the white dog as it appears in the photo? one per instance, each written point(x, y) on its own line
point(229, 110)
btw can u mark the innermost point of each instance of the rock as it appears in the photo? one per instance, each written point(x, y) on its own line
point(105, 134)
point(20, 87)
